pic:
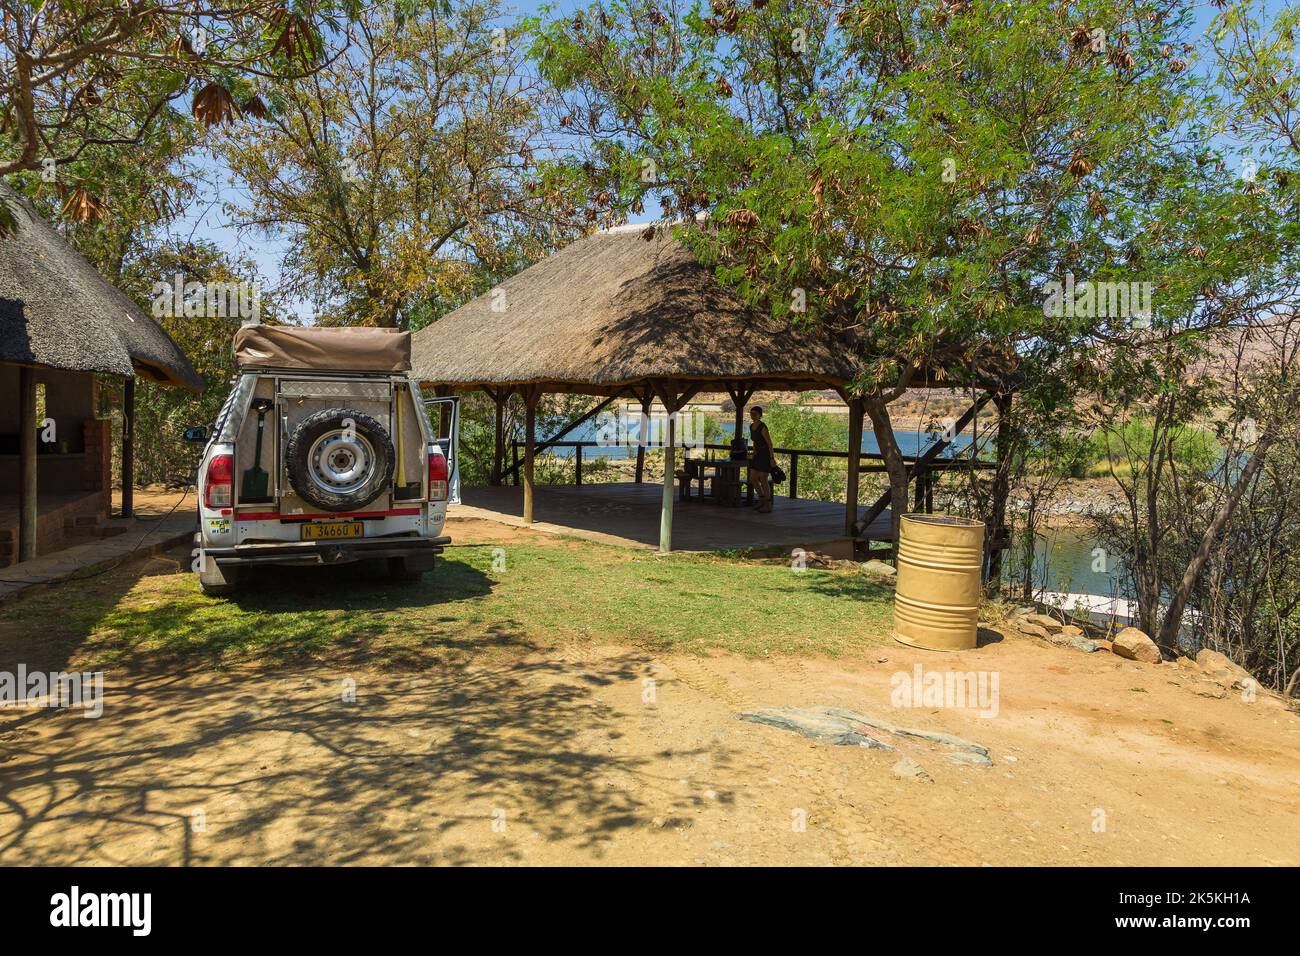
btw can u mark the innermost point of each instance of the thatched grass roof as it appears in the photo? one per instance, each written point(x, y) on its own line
point(614, 309)
point(57, 310)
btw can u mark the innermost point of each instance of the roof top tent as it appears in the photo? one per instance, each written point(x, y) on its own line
point(298, 372)
point(61, 324)
point(630, 312)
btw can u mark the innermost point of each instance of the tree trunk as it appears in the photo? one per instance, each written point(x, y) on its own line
point(895, 465)
point(1001, 490)
point(1173, 621)
point(1031, 540)
point(855, 464)
point(531, 394)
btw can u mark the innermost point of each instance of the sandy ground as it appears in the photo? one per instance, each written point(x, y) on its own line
point(615, 755)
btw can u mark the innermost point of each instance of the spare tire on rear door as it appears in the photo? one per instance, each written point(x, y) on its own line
point(340, 459)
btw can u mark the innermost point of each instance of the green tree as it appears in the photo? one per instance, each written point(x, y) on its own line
point(79, 78)
point(400, 173)
point(908, 176)
point(163, 413)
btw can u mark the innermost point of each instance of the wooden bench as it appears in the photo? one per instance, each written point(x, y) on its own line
point(684, 479)
point(725, 488)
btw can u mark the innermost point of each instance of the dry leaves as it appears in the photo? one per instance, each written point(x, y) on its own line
point(82, 206)
point(214, 106)
point(296, 39)
point(741, 219)
point(1080, 165)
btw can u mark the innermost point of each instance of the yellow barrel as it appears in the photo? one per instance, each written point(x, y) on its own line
point(937, 600)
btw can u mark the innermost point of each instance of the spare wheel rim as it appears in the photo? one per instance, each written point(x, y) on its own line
point(341, 462)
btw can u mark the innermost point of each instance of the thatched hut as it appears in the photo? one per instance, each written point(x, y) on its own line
point(629, 311)
point(613, 311)
point(60, 324)
point(624, 312)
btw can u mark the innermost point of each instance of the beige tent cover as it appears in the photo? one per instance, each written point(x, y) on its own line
point(333, 349)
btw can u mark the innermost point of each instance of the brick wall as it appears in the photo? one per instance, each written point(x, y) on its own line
point(54, 522)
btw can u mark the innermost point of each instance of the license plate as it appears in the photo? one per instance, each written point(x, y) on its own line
point(335, 529)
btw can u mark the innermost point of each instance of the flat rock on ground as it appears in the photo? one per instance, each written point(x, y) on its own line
point(816, 725)
point(846, 727)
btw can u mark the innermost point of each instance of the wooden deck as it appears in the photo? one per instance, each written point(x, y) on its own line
point(627, 514)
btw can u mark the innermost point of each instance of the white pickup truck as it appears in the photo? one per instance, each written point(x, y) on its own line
point(325, 452)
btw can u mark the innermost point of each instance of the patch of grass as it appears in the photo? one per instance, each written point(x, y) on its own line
point(479, 597)
point(997, 610)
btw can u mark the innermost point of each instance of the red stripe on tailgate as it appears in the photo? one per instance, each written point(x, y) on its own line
point(276, 516)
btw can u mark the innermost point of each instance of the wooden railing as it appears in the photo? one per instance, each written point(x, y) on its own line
point(922, 467)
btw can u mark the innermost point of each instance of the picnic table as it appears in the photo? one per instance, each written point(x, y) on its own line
point(723, 477)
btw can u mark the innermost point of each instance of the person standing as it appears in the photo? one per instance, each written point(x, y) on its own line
point(761, 460)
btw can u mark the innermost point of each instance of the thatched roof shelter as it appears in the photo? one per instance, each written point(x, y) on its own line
point(630, 311)
point(614, 309)
point(57, 310)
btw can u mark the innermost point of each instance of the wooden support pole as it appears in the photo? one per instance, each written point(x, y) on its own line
point(856, 413)
point(128, 449)
point(531, 394)
point(27, 508)
point(674, 401)
point(643, 434)
point(740, 396)
point(666, 510)
point(499, 398)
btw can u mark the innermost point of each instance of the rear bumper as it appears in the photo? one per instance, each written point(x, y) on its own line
point(328, 552)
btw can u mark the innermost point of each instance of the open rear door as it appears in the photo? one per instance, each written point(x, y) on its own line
point(444, 418)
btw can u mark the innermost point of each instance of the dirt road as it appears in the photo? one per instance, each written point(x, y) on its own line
point(610, 755)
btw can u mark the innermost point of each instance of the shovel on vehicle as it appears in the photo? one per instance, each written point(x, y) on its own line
point(256, 481)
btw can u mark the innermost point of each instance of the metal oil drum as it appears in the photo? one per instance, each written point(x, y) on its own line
point(937, 598)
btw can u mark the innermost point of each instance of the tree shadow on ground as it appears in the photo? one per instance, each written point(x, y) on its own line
point(361, 585)
point(44, 629)
point(849, 587)
point(347, 613)
point(469, 763)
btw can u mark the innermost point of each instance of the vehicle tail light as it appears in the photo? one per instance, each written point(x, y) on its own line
point(437, 475)
point(217, 489)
